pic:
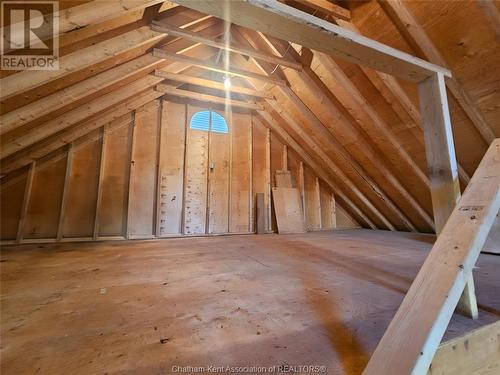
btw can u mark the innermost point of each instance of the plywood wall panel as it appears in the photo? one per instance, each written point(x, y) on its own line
point(261, 163)
point(11, 201)
point(81, 196)
point(114, 199)
point(44, 206)
point(195, 193)
point(241, 129)
point(171, 168)
point(142, 199)
point(218, 218)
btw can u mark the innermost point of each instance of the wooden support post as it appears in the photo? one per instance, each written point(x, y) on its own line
point(301, 189)
point(67, 178)
point(269, 179)
point(284, 160)
point(261, 213)
point(99, 183)
point(442, 164)
point(26, 199)
point(413, 336)
point(317, 192)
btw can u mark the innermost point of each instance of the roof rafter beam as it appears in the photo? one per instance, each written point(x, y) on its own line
point(418, 39)
point(231, 71)
point(287, 23)
point(163, 27)
point(202, 82)
point(308, 78)
point(173, 91)
point(316, 167)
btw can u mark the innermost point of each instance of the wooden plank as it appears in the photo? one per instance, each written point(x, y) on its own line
point(170, 90)
point(202, 82)
point(171, 168)
point(116, 114)
point(283, 179)
point(114, 195)
point(44, 205)
point(414, 334)
point(25, 203)
point(312, 203)
point(64, 199)
point(326, 204)
point(142, 194)
point(241, 129)
point(287, 23)
point(83, 58)
point(100, 182)
point(230, 46)
point(416, 36)
point(475, 353)
point(442, 164)
point(284, 159)
point(261, 174)
point(81, 198)
point(329, 8)
point(316, 166)
point(79, 114)
point(84, 15)
point(231, 71)
point(288, 210)
point(261, 213)
point(218, 166)
point(196, 175)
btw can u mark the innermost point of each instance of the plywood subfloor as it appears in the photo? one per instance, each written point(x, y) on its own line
point(321, 298)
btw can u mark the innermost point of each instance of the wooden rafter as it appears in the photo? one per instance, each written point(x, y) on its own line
point(287, 23)
point(317, 167)
point(418, 39)
point(202, 82)
point(88, 88)
point(171, 90)
point(163, 27)
point(78, 114)
point(231, 71)
point(30, 79)
point(328, 8)
point(308, 78)
point(69, 135)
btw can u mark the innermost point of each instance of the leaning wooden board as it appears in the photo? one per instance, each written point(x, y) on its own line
point(288, 210)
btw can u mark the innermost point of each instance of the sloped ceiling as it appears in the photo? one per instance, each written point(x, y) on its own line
point(361, 128)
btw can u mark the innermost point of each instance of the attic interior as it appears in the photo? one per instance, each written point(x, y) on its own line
point(254, 186)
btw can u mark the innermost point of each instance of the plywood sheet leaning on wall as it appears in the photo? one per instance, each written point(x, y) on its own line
point(261, 165)
point(288, 210)
point(171, 168)
point(195, 193)
point(42, 219)
point(241, 183)
point(11, 201)
point(218, 180)
point(114, 194)
point(141, 209)
point(81, 194)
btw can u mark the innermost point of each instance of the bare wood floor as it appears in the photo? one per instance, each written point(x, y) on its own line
point(142, 307)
